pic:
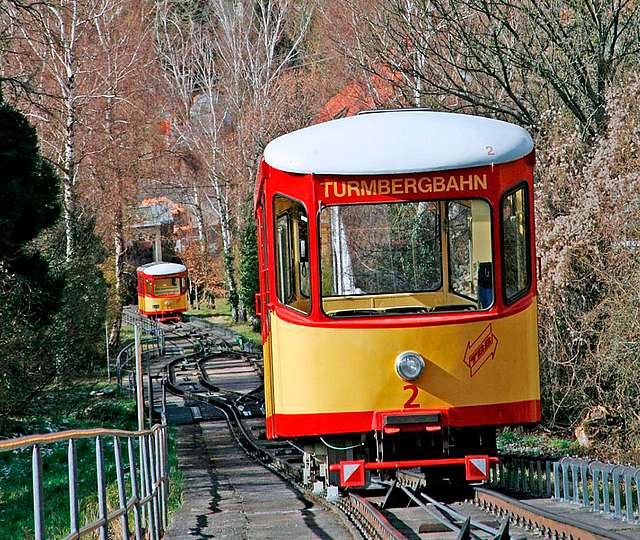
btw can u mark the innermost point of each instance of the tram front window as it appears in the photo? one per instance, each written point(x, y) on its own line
point(166, 286)
point(406, 258)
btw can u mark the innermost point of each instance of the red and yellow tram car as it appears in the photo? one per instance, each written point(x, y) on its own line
point(162, 290)
point(398, 291)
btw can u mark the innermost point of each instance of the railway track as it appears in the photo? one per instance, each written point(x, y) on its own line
point(210, 371)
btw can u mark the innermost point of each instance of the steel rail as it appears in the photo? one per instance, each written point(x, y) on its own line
point(369, 519)
point(549, 523)
point(364, 515)
point(456, 515)
point(249, 445)
point(445, 515)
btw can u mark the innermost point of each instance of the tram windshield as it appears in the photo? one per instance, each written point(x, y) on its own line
point(167, 286)
point(403, 258)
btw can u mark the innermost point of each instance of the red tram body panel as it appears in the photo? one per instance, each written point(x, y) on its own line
point(397, 279)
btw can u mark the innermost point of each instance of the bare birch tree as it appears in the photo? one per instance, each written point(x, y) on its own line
point(120, 147)
point(57, 43)
point(227, 59)
point(515, 60)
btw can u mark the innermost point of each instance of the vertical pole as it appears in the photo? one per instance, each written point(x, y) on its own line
point(74, 513)
point(162, 476)
point(157, 245)
point(38, 500)
point(165, 449)
point(150, 391)
point(140, 406)
point(605, 491)
point(102, 494)
point(122, 495)
point(106, 341)
point(139, 379)
point(155, 485)
point(134, 489)
point(148, 487)
point(163, 419)
point(595, 472)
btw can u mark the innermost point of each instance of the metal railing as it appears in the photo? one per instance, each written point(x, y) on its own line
point(604, 487)
point(148, 496)
point(607, 488)
point(125, 368)
point(151, 346)
point(131, 317)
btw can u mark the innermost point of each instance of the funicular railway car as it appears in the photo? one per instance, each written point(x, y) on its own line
point(397, 292)
point(162, 290)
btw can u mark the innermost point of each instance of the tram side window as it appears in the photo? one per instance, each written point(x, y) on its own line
point(470, 257)
point(292, 254)
point(515, 239)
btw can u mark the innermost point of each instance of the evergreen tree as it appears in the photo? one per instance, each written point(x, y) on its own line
point(249, 282)
point(28, 292)
point(30, 201)
point(51, 307)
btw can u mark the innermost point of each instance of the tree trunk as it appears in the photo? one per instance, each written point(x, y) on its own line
point(118, 237)
point(69, 160)
point(221, 207)
point(202, 236)
point(229, 270)
point(68, 179)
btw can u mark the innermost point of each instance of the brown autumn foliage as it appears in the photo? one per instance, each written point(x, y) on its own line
point(205, 274)
point(588, 227)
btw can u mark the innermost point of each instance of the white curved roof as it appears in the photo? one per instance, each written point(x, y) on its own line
point(401, 141)
point(162, 269)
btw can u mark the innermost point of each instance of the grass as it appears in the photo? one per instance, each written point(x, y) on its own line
point(77, 405)
point(221, 314)
point(536, 443)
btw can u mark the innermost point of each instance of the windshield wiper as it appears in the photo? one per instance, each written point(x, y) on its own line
point(355, 313)
point(409, 310)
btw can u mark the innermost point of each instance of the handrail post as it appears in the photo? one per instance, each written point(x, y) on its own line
point(139, 379)
point(38, 500)
point(147, 491)
point(150, 391)
point(122, 496)
point(143, 483)
point(135, 493)
point(163, 384)
point(102, 495)
point(162, 477)
point(155, 486)
point(74, 514)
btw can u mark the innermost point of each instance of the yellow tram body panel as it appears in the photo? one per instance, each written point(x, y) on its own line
point(151, 305)
point(473, 368)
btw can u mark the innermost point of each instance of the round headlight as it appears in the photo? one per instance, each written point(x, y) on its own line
point(409, 365)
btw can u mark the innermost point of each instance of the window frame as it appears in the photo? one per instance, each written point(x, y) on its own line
point(308, 248)
point(527, 223)
point(491, 239)
point(412, 291)
point(285, 303)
